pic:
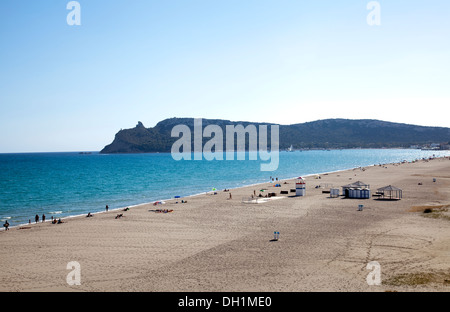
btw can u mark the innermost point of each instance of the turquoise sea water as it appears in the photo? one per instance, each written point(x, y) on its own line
point(67, 184)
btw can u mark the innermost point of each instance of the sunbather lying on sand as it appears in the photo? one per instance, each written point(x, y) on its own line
point(163, 210)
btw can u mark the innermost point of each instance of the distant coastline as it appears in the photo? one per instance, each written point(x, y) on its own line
point(320, 134)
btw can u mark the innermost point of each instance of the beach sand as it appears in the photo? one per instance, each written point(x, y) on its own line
point(212, 243)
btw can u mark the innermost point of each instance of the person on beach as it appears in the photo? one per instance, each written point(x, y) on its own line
point(36, 218)
point(43, 217)
point(6, 225)
point(230, 196)
point(107, 208)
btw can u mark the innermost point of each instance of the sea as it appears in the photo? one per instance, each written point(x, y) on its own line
point(71, 184)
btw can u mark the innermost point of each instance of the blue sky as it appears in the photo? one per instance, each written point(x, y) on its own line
point(71, 88)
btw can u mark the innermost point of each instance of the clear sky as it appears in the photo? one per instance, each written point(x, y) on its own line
point(71, 88)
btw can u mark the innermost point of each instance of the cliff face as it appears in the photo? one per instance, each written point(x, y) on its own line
point(329, 133)
point(140, 140)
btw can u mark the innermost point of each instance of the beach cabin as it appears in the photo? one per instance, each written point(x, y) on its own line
point(358, 189)
point(300, 186)
point(334, 192)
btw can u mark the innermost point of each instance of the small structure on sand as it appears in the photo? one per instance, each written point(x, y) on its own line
point(390, 192)
point(334, 192)
point(356, 190)
point(300, 186)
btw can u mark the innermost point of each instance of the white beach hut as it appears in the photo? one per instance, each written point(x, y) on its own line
point(334, 192)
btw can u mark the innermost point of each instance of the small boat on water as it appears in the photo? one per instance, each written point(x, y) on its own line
point(290, 149)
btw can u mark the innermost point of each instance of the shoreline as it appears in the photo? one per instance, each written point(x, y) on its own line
point(203, 193)
point(165, 200)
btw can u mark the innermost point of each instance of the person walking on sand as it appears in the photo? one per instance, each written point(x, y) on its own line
point(106, 208)
point(36, 218)
point(43, 217)
point(230, 196)
point(6, 225)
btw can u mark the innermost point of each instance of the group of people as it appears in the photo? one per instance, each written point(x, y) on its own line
point(36, 218)
point(259, 195)
point(227, 190)
point(121, 214)
point(55, 220)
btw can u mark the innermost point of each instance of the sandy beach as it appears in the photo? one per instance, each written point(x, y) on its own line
point(213, 243)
